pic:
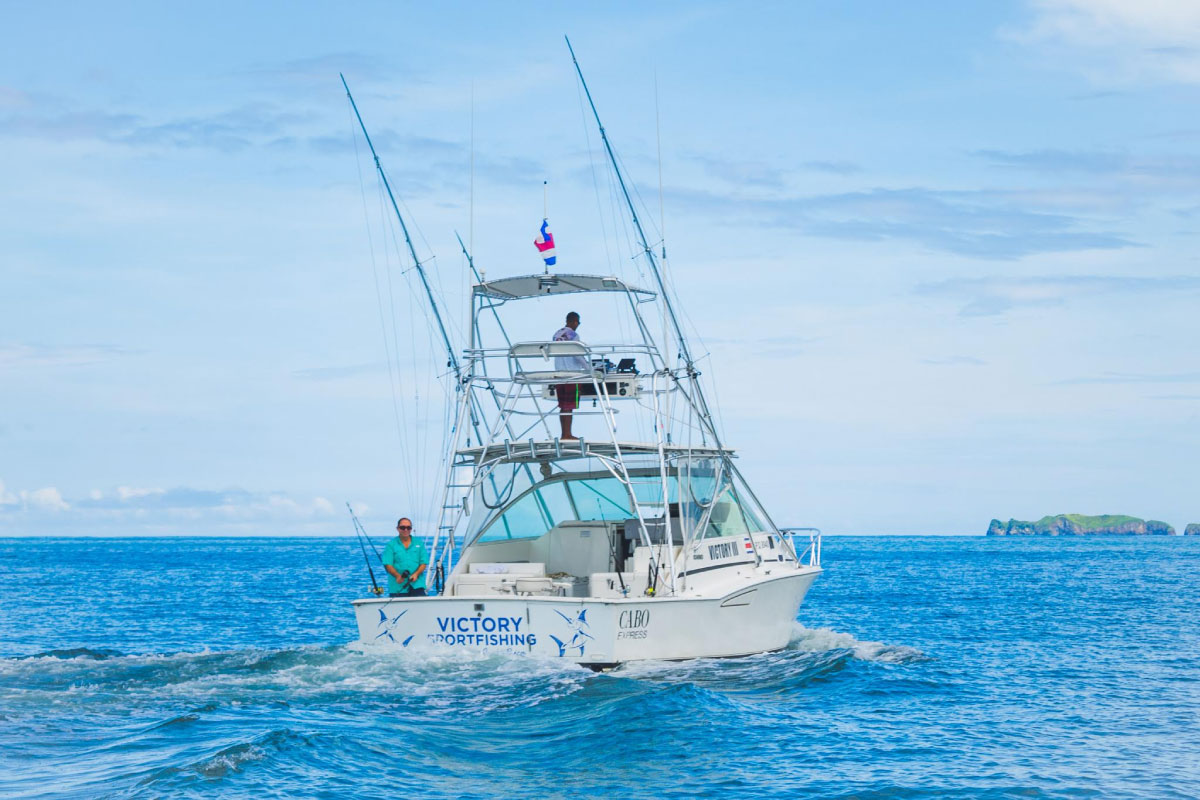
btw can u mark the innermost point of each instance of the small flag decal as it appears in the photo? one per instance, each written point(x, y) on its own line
point(545, 244)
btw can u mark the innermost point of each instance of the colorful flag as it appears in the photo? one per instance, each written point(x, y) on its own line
point(545, 244)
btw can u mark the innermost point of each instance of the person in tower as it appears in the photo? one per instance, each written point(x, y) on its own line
point(568, 393)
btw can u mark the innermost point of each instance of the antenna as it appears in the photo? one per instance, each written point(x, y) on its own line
point(662, 229)
point(471, 212)
point(662, 222)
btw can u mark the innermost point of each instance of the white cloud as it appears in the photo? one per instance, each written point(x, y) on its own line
point(35, 355)
point(129, 493)
point(130, 510)
point(47, 499)
point(1121, 41)
point(998, 294)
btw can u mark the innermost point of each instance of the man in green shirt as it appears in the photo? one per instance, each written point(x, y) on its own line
point(405, 560)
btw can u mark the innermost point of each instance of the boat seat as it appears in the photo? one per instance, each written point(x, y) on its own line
point(472, 585)
point(525, 568)
point(547, 350)
point(543, 352)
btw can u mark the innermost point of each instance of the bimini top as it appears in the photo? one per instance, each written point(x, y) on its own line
point(540, 285)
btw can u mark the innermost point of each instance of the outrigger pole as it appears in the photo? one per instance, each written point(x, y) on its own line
point(453, 361)
point(684, 352)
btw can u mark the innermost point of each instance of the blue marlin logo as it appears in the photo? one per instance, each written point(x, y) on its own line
point(579, 636)
point(388, 625)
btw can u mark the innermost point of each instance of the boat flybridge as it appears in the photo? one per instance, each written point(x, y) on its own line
point(638, 540)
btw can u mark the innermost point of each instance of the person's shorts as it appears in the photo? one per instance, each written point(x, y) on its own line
point(409, 593)
point(568, 396)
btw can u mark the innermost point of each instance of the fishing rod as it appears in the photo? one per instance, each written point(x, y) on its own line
point(637, 223)
point(362, 534)
point(612, 551)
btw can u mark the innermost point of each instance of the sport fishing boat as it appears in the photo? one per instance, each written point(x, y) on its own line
point(641, 539)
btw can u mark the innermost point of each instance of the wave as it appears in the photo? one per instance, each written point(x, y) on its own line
point(813, 656)
point(182, 719)
point(822, 640)
point(446, 681)
point(98, 654)
point(232, 758)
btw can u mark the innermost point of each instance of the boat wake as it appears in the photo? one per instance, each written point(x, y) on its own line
point(821, 640)
point(174, 723)
point(814, 655)
point(443, 681)
point(179, 690)
point(314, 673)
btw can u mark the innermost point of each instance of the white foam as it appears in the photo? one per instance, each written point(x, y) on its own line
point(449, 678)
point(821, 640)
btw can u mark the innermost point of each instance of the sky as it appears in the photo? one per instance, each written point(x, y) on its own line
point(940, 258)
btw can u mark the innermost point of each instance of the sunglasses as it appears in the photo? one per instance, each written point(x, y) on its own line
point(404, 527)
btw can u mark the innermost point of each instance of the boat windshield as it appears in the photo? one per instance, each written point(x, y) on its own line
point(731, 517)
point(532, 510)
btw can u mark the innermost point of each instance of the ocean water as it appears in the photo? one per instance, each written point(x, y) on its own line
point(921, 667)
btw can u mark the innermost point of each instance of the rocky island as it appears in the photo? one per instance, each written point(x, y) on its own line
point(1193, 529)
point(1083, 525)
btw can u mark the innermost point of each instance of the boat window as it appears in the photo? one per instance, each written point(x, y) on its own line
point(600, 499)
point(731, 517)
point(701, 478)
point(532, 515)
point(607, 498)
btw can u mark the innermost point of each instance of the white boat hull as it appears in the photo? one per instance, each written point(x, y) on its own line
point(754, 618)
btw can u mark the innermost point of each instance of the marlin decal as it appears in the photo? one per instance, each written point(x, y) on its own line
point(579, 636)
point(388, 625)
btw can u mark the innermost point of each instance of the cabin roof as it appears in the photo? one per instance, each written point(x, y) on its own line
point(540, 285)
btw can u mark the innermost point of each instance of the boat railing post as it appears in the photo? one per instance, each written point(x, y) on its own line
point(813, 551)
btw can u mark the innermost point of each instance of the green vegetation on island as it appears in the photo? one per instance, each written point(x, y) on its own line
point(1193, 529)
point(1083, 525)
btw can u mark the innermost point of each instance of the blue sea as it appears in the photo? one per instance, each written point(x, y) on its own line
point(920, 667)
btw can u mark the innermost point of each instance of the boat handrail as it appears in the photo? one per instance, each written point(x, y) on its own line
point(548, 350)
point(521, 353)
point(578, 412)
point(606, 348)
point(812, 551)
point(553, 449)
